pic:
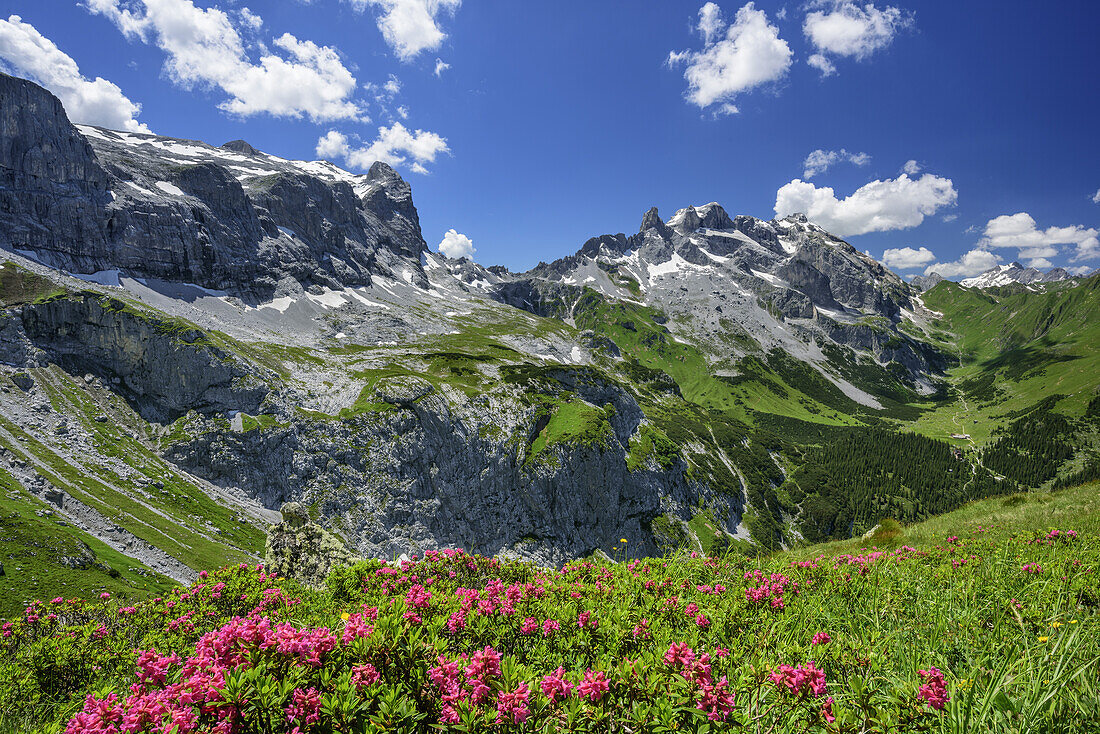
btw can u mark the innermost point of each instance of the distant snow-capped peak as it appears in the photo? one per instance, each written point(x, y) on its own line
point(1014, 272)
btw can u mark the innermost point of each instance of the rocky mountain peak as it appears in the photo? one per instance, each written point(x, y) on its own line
point(1057, 274)
point(232, 218)
point(1014, 272)
point(921, 283)
point(611, 243)
point(382, 172)
point(651, 220)
point(240, 146)
point(685, 221)
point(713, 216)
point(707, 216)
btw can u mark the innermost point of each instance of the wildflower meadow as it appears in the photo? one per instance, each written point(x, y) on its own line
point(989, 628)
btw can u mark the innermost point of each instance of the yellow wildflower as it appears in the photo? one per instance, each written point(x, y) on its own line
point(345, 616)
point(1073, 621)
point(1043, 639)
point(1055, 625)
point(622, 540)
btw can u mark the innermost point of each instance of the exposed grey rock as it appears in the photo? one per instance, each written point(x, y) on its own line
point(164, 372)
point(53, 191)
point(420, 461)
point(538, 296)
point(434, 476)
point(84, 558)
point(302, 550)
point(1055, 275)
point(1014, 272)
point(651, 220)
point(294, 514)
point(402, 391)
point(922, 283)
point(240, 146)
point(804, 277)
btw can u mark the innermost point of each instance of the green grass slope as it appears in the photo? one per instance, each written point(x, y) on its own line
point(1016, 347)
point(43, 555)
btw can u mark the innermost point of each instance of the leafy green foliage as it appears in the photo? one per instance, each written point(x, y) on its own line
point(650, 444)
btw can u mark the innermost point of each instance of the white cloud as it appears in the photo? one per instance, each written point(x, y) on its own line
point(1080, 270)
point(822, 64)
point(972, 263)
point(819, 161)
point(395, 145)
point(874, 207)
point(846, 29)
point(95, 102)
point(911, 167)
point(205, 49)
point(441, 66)
point(1096, 197)
point(411, 26)
point(251, 20)
point(332, 144)
point(455, 245)
point(906, 258)
point(950, 217)
point(710, 22)
point(748, 54)
point(1020, 232)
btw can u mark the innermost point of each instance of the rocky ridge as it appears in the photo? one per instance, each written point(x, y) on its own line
point(1014, 272)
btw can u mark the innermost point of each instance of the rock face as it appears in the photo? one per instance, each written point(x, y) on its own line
point(229, 218)
point(162, 369)
point(444, 472)
point(784, 283)
point(302, 550)
point(411, 401)
point(53, 191)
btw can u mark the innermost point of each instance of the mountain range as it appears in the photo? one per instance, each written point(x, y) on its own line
point(194, 335)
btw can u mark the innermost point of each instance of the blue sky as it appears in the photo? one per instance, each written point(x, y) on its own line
point(967, 129)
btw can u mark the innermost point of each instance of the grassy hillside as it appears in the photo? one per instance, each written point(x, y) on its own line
point(1016, 347)
point(640, 334)
point(983, 619)
point(42, 554)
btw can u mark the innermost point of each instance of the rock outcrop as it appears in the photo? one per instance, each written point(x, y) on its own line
point(435, 472)
point(302, 550)
point(922, 283)
point(1014, 272)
